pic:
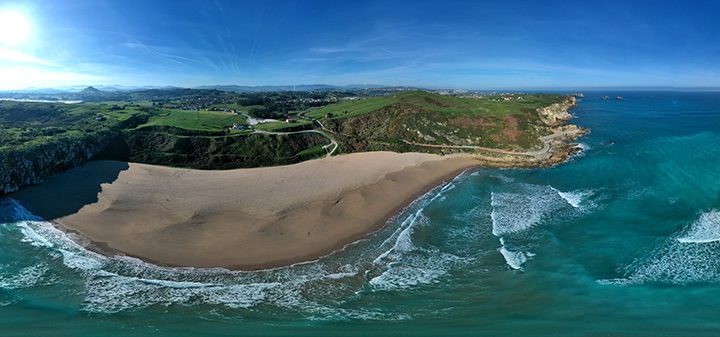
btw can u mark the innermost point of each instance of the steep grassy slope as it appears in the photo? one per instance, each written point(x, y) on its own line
point(394, 122)
point(182, 148)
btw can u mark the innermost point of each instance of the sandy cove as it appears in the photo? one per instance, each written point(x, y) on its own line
point(237, 219)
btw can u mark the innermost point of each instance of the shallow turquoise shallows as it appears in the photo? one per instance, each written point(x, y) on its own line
point(623, 240)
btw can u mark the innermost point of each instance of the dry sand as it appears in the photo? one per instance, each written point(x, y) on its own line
point(238, 219)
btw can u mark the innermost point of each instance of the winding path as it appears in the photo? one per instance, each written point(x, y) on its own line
point(332, 143)
point(537, 154)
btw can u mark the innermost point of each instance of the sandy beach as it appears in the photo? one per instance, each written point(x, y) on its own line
point(238, 219)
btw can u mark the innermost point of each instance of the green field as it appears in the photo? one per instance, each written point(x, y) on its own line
point(194, 120)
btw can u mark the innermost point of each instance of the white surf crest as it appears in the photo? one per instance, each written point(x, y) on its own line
point(514, 258)
point(515, 212)
point(573, 198)
point(425, 268)
point(405, 265)
point(705, 229)
point(691, 257)
point(26, 277)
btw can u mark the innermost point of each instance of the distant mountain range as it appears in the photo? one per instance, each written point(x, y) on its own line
point(299, 87)
point(105, 89)
point(97, 89)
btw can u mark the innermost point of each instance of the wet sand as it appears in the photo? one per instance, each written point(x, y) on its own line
point(238, 219)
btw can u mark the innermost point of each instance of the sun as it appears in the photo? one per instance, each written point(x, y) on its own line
point(14, 27)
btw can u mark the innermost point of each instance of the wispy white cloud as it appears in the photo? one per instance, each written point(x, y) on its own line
point(160, 53)
point(329, 50)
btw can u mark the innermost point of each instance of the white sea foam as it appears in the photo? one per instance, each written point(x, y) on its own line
point(515, 212)
point(522, 206)
point(574, 198)
point(678, 263)
point(692, 257)
point(403, 234)
point(405, 265)
point(514, 259)
point(337, 276)
point(403, 277)
point(706, 229)
point(109, 294)
point(124, 283)
point(518, 207)
point(44, 234)
point(26, 277)
point(426, 267)
point(403, 239)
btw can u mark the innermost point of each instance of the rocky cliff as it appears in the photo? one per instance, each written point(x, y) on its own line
point(557, 114)
point(201, 150)
point(31, 164)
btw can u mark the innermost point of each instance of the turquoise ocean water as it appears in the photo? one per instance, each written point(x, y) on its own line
point(623, 240)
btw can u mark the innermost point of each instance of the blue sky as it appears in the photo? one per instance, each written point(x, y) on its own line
point(465, 44)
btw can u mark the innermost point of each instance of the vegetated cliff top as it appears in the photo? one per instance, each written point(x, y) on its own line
point(504, 121)
point(480, 106)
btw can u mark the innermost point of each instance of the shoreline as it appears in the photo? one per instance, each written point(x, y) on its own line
point(380, 224)
point(256, 218)
point(140, 230)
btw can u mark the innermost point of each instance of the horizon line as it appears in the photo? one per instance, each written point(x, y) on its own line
point(368, 86)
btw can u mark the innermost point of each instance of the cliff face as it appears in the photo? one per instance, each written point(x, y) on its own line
point(162, 146)
point(156, 146)
point(19, 167)
point(557, 114)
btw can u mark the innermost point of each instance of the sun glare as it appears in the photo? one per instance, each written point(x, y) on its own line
point(14, 27)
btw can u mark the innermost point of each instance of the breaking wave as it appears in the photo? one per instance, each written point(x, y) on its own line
point(386, 261)
point(514, 259)
point(706, 229)
point(519, 207)
point(574, 198)
point(403, 264)
point(692, 256)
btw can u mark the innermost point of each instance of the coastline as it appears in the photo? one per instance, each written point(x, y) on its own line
point(261, 218)
point(128, 217)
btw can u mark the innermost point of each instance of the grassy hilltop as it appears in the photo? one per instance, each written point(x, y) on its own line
point(508, 121)
point(486, 106)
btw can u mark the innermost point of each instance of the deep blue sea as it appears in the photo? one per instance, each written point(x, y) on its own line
point(623, 240)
